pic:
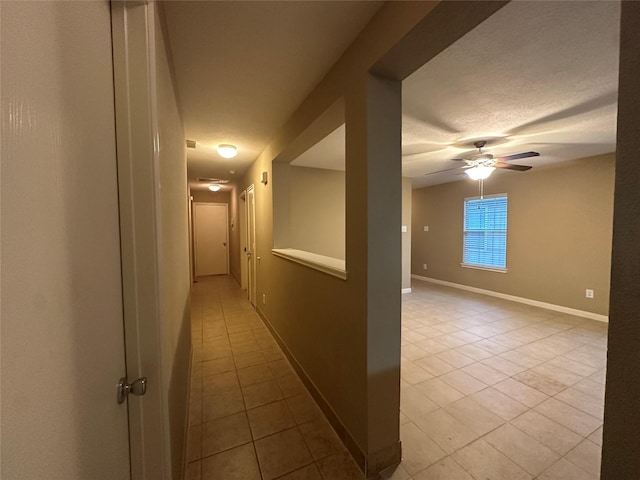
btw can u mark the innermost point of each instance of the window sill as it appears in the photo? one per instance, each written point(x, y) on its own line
point(480, 267)
point(329, 265)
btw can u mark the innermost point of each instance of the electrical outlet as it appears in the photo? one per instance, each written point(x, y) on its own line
point(424, 266)
point(264, 298)
point(589, 293)
point(425, 228)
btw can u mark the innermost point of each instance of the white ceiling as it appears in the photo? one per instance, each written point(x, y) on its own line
point(242, 68)
point(538, 76)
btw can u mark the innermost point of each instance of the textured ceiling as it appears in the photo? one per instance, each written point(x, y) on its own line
point(242, 68)
point(538, 76)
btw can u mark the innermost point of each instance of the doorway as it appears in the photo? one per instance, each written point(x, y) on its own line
point(251, 242)
point(211, 238)
point(244, 248)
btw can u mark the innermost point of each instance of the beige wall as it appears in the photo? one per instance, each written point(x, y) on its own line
point(559, 233)
point(174, 253)
point(315, 213)
point(345, 335)
point(323, 320)
point(207, 196)
point(317, 209)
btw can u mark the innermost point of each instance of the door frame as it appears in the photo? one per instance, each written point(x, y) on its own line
point(226, 231)
point(242, 213)
point(133, 37)
point(252, 257)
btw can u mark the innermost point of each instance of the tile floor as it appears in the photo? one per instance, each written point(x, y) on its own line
point(490, 389)
point(250, 416)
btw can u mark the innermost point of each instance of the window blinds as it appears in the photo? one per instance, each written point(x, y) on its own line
point(485, 232)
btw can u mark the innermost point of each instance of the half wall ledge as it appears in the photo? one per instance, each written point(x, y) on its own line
point(329, 265)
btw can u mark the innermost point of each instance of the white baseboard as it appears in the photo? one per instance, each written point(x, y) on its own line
point(513, 298)
point(405, 290)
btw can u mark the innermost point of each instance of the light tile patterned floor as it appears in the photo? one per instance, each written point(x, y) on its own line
point(490, 389)
point(493, 389)
point(250, 416)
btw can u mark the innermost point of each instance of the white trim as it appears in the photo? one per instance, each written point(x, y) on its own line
point(133, 44)
point(549, 306)
point(480, 267)
point(226, 224)
point(405, 290)
point(493, 195)
point(329, 265)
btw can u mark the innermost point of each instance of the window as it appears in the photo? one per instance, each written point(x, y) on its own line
point(485, 232)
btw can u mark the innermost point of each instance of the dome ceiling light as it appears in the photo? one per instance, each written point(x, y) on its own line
point(226, 150)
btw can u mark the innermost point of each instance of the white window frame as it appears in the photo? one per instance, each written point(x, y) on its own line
point(464, 233)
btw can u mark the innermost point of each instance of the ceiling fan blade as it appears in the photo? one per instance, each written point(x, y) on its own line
point(510, 166)
point(442, 171)
point(516, 156)
point(457, 159)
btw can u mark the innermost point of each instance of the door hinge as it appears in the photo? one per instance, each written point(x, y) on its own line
point(137, 387)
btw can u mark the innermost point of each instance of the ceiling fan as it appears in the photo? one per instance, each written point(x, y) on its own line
point(480, 165)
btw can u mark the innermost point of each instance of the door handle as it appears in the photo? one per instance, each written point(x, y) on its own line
point(137, 387)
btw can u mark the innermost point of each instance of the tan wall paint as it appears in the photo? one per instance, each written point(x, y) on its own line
point(346, 335)
point(206, 196)
point(559, 233)
point(310, 309)
point(317, 203)
point(174, 252)
point(317, 206)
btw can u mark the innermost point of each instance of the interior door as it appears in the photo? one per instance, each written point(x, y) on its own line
point(62, 321)
point(211, 239)
point(251, 241)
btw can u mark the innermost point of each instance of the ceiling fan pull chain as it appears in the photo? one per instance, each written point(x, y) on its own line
point(481, 186)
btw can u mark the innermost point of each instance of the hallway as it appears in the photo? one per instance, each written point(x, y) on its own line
point(250, 416)
point(490, 389)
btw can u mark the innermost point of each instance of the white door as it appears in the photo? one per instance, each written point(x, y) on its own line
point(211, 239)
point(62, 323)
point(251, 241)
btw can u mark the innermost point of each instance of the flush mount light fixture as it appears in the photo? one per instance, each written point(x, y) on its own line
point(479, 172)
point(214, 188)
point(227, 150)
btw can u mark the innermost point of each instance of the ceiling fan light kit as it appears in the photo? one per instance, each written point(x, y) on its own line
point(480, 165)
point(479, 172)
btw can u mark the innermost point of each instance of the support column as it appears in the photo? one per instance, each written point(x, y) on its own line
point(374, 253)
point(621, 449)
